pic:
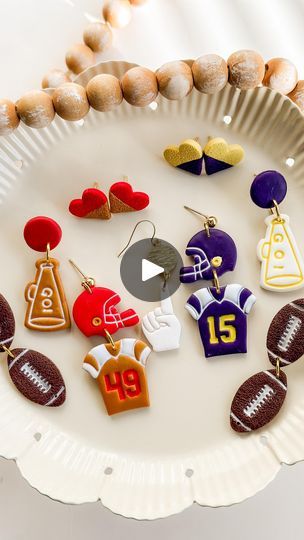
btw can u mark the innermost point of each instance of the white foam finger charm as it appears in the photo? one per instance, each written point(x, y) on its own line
point(162, 328)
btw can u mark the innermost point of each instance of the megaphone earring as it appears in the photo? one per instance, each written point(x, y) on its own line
point(221, 312)
point(47, 309)
point(282, 266)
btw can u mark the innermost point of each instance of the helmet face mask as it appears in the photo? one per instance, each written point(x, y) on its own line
point(215, 252)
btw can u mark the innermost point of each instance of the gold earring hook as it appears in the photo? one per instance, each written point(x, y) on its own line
point(209, 221)
point(216, 282)
point(132, 234)
point(276, 211)
point(48, 249)
point(7, 350)
point(87, 282)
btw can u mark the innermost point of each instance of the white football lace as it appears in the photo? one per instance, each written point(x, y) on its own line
point(34, 376)
point(260, 399)
point(292, 328)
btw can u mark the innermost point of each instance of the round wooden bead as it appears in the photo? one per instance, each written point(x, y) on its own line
point(36, 109)
point(8, 117)
point(98, 36)
point(281, 75)
point(137, 2)
point(54, 78)
point(246, 69)
point(139, 86)
point(117, 13)
point(104, 92)
point(210, 73)
point(79, 57)
point(174, 80)
point(297, 95)
point(70, 101)
point(41, 231)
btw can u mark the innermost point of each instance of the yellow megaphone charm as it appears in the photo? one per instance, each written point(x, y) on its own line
point(282, 266)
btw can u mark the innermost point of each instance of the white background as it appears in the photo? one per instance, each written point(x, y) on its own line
point(33, 37)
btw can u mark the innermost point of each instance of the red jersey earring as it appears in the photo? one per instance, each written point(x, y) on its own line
point(118, 367)
point(47, 309)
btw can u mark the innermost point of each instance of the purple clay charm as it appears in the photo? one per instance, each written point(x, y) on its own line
point(194, 167)
point(217, 251)
point(268, 186)
point(222, 318)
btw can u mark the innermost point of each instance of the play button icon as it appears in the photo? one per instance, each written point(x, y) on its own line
point(147, 266)
point(149, 270)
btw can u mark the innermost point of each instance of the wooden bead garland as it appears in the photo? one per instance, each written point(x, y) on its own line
point(297, 95)
point(139, 86)
point(246, 69)
point(104, 92)
point(210, 73)
point(79, 57)
point(54, 78)
point(281, 75)
point(98, 36)
point(71, 102)
point(117, 13)
point(175, 80)
point(36, 109)
point(9, 119)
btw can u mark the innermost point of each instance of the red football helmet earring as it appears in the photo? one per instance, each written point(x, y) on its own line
point(95, 311)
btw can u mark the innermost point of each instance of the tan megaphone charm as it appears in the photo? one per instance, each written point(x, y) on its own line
point(47, 309)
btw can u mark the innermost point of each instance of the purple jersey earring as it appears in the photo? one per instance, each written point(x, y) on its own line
point(221, 312)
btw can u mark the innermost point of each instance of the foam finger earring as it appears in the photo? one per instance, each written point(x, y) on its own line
point(117, 366)
point(47, 309)
point(160, 326)
point(187, 156)
point(219, 155)
point(221, 311)
point(282, 266)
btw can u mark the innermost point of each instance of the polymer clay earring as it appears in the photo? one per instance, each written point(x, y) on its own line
point(123, 199)
point(93, 205)
point(118, 367)
point(282, 266)
point(47, 309)
point(221, 312)
point(188, 156)
point(219, 155)
point(33, 374)
point(160, 326)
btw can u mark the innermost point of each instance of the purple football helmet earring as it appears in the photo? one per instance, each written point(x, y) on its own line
point(221, 312)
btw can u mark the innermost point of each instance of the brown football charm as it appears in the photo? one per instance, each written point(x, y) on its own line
point(7, 324)
point(36, 377)
point(258, 401)
point(285, 338)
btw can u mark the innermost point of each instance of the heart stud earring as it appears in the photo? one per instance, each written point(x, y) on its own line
point(187, 156)
point(93, 204)
point(219, 155)
point(123, 199)
point(47, 309)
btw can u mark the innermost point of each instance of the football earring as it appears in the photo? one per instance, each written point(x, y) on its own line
point(217, 155)
point(282, 266)
point(160, 326)
point(118, 366)
point(220, 311)
point(33, 374)
point(47, 309)
point(94, 204)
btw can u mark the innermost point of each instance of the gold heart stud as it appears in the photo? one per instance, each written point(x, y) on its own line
point(219, 149)
point(188, 150)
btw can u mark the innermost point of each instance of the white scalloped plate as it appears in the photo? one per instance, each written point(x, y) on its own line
point(153, 462)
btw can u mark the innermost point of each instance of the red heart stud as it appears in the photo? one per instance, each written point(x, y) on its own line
point(124, 199)
point(93, 204)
